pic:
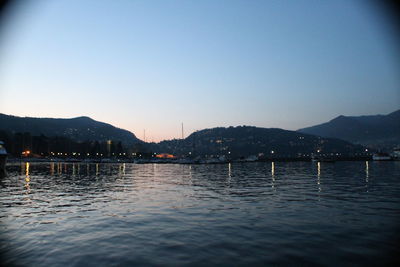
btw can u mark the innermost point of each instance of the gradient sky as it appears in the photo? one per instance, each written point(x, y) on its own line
point(155, 64)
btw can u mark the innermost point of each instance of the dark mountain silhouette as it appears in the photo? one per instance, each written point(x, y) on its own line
point(248, 140)
point(234, 142)
point(78, 129)
point(376, 130)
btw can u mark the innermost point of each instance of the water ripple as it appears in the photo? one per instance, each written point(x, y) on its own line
point(230, 214)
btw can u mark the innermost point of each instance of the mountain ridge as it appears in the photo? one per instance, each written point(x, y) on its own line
point(80, 128)
point(372, 130)
point(250, 140)
point(239, 141)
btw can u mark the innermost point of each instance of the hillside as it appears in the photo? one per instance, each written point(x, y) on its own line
point(376, 130)
point(78, 129)
point(247, 140)
point(235, 142)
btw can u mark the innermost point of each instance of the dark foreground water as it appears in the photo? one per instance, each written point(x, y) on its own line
point(343, 213)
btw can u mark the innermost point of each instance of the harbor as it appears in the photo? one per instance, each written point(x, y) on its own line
point(199, 133)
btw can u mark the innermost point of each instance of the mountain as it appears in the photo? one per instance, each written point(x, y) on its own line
point(78, 129)
point(376, 130)
point(236, 142)
point(243, 141)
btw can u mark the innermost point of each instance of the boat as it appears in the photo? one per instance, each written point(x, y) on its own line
point(214, 160)
point(322, 159)
point(3, 159)
point(185, 161)
point(381, 156)
point(396, 154)
point(251, 158)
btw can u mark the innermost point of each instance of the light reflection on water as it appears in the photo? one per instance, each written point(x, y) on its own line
point(366, 175)
point(236, 213)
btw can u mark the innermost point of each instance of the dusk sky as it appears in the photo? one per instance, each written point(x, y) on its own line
point(155, 64)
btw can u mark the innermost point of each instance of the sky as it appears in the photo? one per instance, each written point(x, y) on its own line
point(156, 64)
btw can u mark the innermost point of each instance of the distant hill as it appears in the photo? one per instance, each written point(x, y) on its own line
point(248, 140)
point(78, 129)
point(236, 142)
point(376, 130)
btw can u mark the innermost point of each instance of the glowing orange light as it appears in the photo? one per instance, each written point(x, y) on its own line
point(165, 156)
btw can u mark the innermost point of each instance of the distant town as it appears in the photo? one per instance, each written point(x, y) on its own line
point(84, 139)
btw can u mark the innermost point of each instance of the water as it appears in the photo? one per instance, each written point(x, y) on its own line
point(302, 213)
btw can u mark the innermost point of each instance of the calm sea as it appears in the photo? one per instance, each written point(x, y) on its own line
point(302, 213)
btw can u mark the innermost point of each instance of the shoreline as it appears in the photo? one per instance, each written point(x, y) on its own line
point(186, 162)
